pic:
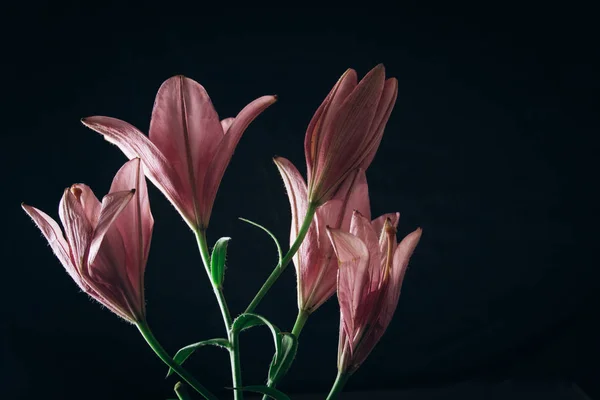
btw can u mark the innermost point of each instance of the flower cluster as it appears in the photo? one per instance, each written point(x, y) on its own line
point(334, 245)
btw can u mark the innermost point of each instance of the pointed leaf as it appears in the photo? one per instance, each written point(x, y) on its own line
point(217, 261)
point(282, 363)
point(262, 389)
point(279, 253)
point(188, 350)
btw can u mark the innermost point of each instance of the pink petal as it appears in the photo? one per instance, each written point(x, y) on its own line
point(186, 129)
point(384, 110)
point(224, 152)
point(90, 203)
point(343, 87)
point(112, 205)
point(56, 240)
point(355, 194)
point(346, 135)
point(133, 144)
point(379, 224)
point(226, 124)
point(399, 266)
point(135, 224)
point(78, 229)
point(353, 274)
point(361, 227)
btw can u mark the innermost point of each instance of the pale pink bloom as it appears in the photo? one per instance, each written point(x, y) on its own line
point(346, 130)
point(106, 244)
point(371, 270)
point(188, 148)
point(316, 266)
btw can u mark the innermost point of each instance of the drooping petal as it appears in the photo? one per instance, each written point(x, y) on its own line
point(78, 229)
point(382, 115)
point(343, 87)
point(56, 240)
point(112, 205)
point(344, 138)
point(353, 274)
point(158, 169)
point(223, 153)
point(134, 224)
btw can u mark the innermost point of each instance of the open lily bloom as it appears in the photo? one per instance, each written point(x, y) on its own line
point(346, 130)
point(371, 270)
point(316, 266)
point(105, 245)
point(188, 148)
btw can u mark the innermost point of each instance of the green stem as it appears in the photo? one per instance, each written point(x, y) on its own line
point(310, 213)
point(300, 321)
point(236, 368)
point(166, 358)
point(338, 385)
point(234, 350)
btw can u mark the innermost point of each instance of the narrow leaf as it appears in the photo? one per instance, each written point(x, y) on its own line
point(279, 253)
point(217, 261)
point(262, 389)
point(283, 360)
point(188, 350)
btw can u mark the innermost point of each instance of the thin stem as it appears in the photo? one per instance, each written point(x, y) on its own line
point(236, 367)
point(234, 350)
point(338, 385)
point(203, 247)
point(300, 321)
point(310, 213)
point(166, 358)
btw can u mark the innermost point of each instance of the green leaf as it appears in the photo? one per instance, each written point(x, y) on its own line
point(262, 389)
point(188, 350)
point(279, 253)
point(283, 360)
point(217, 261)
point(249, 320)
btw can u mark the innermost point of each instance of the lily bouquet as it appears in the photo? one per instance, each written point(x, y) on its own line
point(335, 245)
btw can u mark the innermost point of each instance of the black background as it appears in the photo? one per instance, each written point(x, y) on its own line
point(490, 150)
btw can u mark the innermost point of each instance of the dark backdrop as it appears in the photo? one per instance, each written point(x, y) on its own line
point(489, 150)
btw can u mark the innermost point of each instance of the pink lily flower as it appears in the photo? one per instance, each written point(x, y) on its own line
point(188, 148)
point(106, 244)
point(316, 266)
point(346, 130)
point(371, 270)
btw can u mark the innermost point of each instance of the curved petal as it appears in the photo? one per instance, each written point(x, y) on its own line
point(223, 153)
point(90, 203)
point(56, 240)
point(382, 115)
point(78, 229)
point(355, 194)
point(226, 124)
point(343, 87)
point(353, 274)
point(186, 129)
point(158, 169)
point(112, 205)
point(345, 136)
